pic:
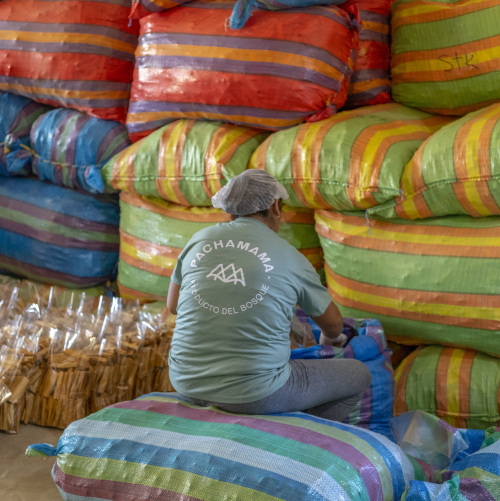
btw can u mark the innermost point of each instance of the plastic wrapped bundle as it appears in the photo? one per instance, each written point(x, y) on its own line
point(352, 160)
point(17, 115)
point(366, 342)
point(456, 171)
point(459, 386)
point(281, 69)
point(168, 449)
point(445, 55)
point(185, 162)
point(71, 53)
point(431, 281)
point(153, 233)
point(58, 236)
point(297, 228)
point(70, 148)
point(370, 82)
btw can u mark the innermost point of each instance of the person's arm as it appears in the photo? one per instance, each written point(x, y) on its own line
point(331, 325)
point(173, 297)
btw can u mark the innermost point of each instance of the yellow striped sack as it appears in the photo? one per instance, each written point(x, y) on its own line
point(446, 54)
point(432, 281)
point(153, 233)
point(456, 171)
point(460, 386)
point(351, 161)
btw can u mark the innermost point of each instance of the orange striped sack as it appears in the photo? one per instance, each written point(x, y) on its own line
point(153, 233)
point(297, 228)
point(427, 281)
point(141, 8)
point(70, 53)
point(280, 69)
point(456, 171)
point(353, 160)
point(446, 54)
point(185, 162)
point(460, 386)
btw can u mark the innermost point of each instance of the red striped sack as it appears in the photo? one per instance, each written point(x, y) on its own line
point(141, 8)
point(70, 53)
point(281, 69)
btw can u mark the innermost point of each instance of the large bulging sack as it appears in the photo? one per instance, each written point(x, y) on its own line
point(70, 148)
point(17, 116)
point(185, 162)
point(58, 236)
point(428, 282)
point(459, 386)
point(456, 171)
point(281, 69)
point(153, 233)
point(370, 81)
point(70, 53)
point(353, 160)
point(445, 55)
point(159, 447)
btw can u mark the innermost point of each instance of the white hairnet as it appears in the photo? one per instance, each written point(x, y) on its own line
point(248, 193)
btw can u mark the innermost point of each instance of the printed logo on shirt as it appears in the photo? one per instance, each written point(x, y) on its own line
point(228, 274)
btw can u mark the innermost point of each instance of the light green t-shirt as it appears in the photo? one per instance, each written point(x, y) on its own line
point(240, 283)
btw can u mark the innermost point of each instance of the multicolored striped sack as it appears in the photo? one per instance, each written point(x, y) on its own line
point(185, 162)
point(141, 8)
point(445, 55)
point(282, 69)
point(370, 82)
point(428, 282)
point(17, 115)
point(153, 233)
point(366, 343)
point(460, 386)
point(352, 160)
point(70, 148)
point(475, 478)
point(456, 171)
point(58, 236)
point(297, 228)
point(71, 53)
point(159, 447)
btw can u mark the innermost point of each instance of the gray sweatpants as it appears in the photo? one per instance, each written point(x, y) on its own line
point(327, 388)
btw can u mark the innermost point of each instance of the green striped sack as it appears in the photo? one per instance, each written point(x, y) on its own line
point(353, 160)
point(456, 171)
point(446, 54)
point(432, 281)
point(159, 447)
point(185, 162)
point(460, 386)
point(153, 233)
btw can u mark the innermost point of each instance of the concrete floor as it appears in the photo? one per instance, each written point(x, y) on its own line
point(23, 478)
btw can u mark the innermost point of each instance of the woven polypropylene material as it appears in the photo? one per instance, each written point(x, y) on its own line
point(69, 53)
point(445, 56)
point(70, 148)
point(141, 8)
point(459, 386)
point(367, 343)
point(17, 117)
point(456, 171)
point(159, 447)
point(281, 69)
point(58, 236)
point(370, 82)
point(427, 281)
point(475, 478)
point(353, 160)
point(153, 233)
point(185, 162)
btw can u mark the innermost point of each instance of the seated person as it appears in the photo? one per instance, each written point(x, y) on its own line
point(234, 290)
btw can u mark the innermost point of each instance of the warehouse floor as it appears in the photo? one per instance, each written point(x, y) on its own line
point(23, 478)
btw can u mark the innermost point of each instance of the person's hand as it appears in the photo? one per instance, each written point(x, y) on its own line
point(338, 342)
